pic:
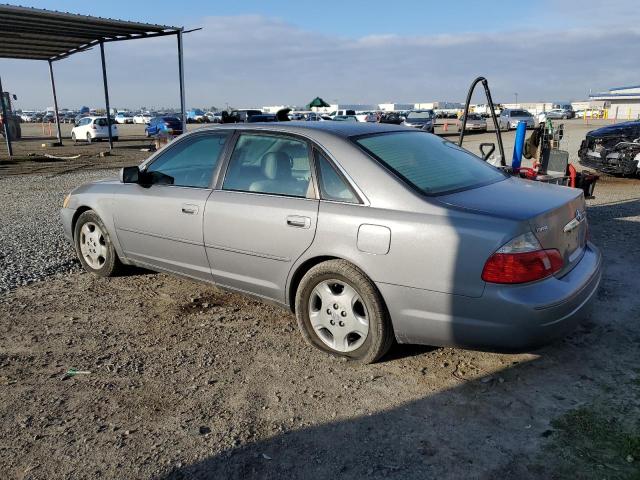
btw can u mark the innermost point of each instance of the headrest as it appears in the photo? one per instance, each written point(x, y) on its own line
point(276, 165)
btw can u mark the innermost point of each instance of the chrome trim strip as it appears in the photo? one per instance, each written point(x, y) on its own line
point(247, 252)
point(155, 235)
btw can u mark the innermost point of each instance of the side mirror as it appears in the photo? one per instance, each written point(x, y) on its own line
point(129, 175)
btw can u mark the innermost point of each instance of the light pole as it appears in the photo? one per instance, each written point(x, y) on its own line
point(516, 94)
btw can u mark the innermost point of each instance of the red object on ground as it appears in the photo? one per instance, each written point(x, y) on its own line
point(572, 175)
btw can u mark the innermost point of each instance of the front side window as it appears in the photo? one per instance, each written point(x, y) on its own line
point(429, 163)
point(332, 184)
point(189, 163)
point(269, 164)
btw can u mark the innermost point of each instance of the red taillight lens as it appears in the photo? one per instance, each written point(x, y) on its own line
point(522, 267)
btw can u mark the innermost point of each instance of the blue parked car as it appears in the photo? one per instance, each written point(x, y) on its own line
point(163, 125)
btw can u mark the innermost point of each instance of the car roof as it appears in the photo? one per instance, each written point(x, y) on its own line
point(337, 129)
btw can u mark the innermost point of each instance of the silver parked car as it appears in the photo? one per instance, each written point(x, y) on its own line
point(475, 123)
point(368, 232)
point(509, 118)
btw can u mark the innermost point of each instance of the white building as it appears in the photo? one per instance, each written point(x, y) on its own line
point(622, 103)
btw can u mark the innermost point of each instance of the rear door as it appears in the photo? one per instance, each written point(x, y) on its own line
point(160, 225)
point(263, 216)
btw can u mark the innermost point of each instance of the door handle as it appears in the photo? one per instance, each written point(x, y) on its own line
point(189, 209)
point(298, 221)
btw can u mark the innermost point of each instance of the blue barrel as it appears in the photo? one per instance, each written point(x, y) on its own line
point(521, 133)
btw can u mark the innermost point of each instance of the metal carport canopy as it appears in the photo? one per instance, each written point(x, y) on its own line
point(37, 34)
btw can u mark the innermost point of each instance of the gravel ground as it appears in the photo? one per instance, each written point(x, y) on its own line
point(187, 381)
point(32, 245)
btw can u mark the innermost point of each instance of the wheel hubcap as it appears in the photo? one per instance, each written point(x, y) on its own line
point(93, 245)
point(338, 315)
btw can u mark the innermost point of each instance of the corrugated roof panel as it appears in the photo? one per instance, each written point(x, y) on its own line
point(36, 34)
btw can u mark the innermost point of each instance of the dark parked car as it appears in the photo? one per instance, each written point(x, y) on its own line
point(163, 125)
point(242, 116)
point(423, 119)
point(392, 118)
point(263, 117)
point(613, 149)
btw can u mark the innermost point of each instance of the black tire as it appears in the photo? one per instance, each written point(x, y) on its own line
point(89, 138)
point(115, 139)
point(380, 335)
point(111, 265)
point(73, 137)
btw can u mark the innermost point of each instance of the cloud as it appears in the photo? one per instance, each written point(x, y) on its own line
point(255, 60)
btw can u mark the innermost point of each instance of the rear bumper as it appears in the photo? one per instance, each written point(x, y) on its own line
point(505, 318)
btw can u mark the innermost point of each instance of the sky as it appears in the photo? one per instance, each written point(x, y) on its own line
point(257, 52)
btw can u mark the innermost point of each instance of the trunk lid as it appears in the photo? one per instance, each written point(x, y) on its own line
point(556, 215)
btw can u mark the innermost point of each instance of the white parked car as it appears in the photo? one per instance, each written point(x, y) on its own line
point(93, 128)
point(143, 118)
point(123, 117)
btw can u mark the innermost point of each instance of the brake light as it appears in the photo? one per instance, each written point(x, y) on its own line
point(93, 126)
point(522, 260)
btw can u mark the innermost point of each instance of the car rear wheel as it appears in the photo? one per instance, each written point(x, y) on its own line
point(340, 311)
point(94, 247)
point(73, 137)
point(88, 138)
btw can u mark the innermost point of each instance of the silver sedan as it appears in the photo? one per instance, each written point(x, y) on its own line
point(369, 233)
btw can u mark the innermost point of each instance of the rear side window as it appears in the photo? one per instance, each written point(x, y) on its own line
point(429, 163)
point(269, 164)
point(332, 184)
point(189, 163)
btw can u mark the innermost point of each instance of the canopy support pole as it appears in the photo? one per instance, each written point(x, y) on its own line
point(106, 94)
point(5, 122)
point(181, 79)
point(55, 103)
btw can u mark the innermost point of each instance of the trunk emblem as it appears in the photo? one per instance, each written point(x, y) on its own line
point(573, 224)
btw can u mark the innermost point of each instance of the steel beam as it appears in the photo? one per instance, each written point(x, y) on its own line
point(5, 121)
point(181, 80)
point(106, 94)
point(55, 103)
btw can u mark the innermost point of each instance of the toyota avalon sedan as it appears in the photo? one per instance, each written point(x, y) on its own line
point(369, 233)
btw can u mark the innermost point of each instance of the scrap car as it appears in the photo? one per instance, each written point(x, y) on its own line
point(614, 149)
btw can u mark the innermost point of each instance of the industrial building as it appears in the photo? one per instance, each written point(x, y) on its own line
point(622, 103)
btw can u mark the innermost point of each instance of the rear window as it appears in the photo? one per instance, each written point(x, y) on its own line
point(429, 163)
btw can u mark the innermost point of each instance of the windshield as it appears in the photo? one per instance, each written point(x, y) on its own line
point(474, 116)
point(429, 163)
point(520, 113)
point(419, 115)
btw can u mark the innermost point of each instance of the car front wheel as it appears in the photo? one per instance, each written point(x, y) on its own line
point(340, 311)
point(94, 247)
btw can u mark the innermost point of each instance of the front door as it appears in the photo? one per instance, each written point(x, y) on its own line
point(264, 216)
point(160, 224)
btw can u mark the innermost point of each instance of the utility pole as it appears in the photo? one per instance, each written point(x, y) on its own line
point(516, 94)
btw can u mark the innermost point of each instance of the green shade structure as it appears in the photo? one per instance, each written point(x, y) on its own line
point(317, 103)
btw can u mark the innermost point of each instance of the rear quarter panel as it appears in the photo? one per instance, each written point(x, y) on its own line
point(440, 249)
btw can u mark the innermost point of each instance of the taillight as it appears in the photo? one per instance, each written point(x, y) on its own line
point(93, 126)
point(522, 260)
